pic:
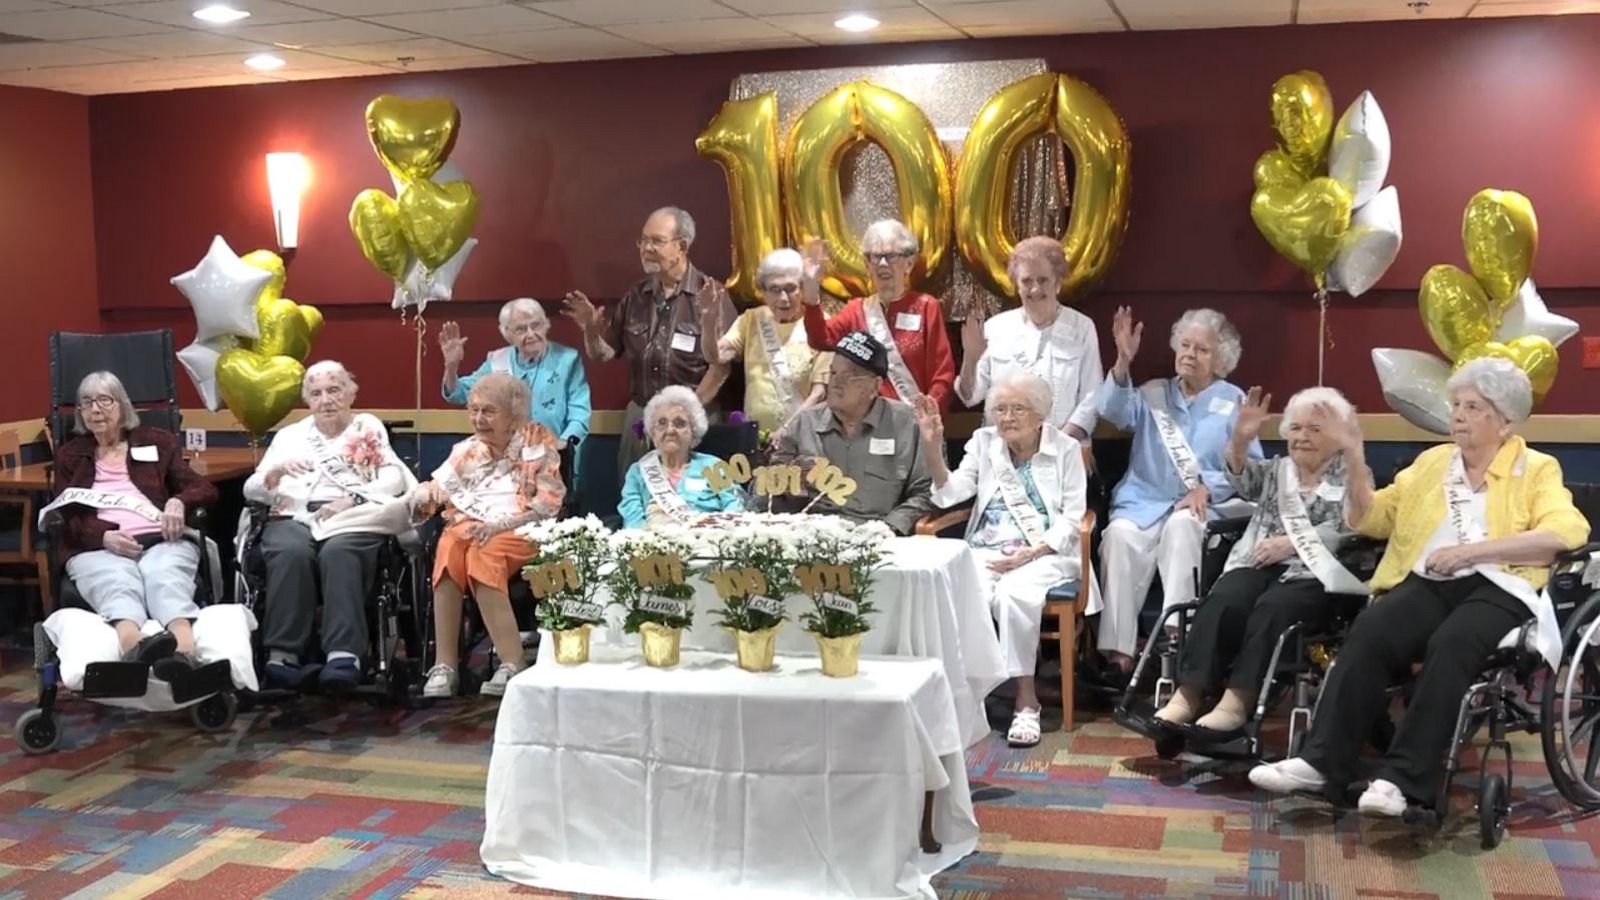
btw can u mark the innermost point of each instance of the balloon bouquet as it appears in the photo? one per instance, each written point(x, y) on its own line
point(1320, 200)
point(251, 342)
point(1494, 310)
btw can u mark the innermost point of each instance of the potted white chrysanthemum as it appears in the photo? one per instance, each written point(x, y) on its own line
point(564, 574)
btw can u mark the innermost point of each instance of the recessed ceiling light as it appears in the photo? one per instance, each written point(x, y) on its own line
point(264, 62)
point(220, 14)
point(856, 22)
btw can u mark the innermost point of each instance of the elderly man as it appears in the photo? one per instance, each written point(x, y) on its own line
point(873, 439)
point(656, 325)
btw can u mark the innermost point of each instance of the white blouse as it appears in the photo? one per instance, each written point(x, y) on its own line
point(1066, 353)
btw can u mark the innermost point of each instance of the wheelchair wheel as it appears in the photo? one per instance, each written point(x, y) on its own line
point(215, 713)
point(37, 733)
point(1494, 805)
point(1569, 711)
point(1169, 745)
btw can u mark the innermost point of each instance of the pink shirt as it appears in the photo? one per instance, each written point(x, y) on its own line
point(112, 477)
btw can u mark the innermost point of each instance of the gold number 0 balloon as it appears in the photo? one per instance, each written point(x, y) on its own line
point(1102, 177)
point(852, 112)
point(743, 139)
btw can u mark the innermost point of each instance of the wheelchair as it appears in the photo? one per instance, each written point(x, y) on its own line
point(208, 692)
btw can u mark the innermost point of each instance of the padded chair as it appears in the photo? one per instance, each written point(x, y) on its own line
point(26, 562)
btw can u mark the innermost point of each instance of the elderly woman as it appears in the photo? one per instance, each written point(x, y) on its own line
point(124, 491)
point(782, 373)
point(669, 481)
point(506, 475)
point(1283, 569)
point(1055, 342)
point(1176, 475)
point(1028, 478)
point(335, 490)
point(553, 372)
point(1472, 527)
point(909, 323)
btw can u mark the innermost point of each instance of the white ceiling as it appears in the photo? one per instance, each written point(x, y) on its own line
point(112, 46)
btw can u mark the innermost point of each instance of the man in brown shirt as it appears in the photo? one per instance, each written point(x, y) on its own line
point(656, 325)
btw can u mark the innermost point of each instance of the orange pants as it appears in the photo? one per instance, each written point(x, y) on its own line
point(463, 561)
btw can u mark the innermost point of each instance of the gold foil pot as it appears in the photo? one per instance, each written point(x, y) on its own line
point(756, 648)
point(1320, 655)
point(572, 645)
point(661, 644)
point(841, 656)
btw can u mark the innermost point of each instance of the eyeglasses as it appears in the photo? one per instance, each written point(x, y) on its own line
point(895, 257)
point(782, 289)
point(100, 402)
point(845, 378)
point(525, 330)
point(483, 410)
point(655, 243)
point(1011, 409)
point(681, 424)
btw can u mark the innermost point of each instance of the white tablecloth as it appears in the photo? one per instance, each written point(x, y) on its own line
point(707, 781)
point(930, 605)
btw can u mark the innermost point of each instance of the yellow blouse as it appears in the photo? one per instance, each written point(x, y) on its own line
point(1525, 493)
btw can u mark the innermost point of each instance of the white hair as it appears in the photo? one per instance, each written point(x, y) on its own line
point(1304, 401)
point(1498, 381)
point(1036, 392)
point(682, 223)
point(128, 417)
point(888, 236)
point(526, 306)
point(507, 392)
point(782, 261)
point(1227, 336)
point(327, 367)
point(678, 395)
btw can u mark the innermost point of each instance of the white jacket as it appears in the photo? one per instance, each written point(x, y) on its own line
point(292, 442)
point(1058, 473)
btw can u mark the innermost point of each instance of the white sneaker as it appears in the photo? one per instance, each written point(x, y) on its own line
point(1382, 798)
point(1287, 776)
point(442, 682)
point(496, 686)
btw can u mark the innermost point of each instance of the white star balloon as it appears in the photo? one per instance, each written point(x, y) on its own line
point(200, 361)
point(222, 288)
point(1528, 315)
point(420, 288)
point(1413, 384)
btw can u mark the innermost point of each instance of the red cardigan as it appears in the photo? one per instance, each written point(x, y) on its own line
point(169, 476)
point(926, 349)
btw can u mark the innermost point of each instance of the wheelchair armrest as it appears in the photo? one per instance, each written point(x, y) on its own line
point(1578, 554)
point(1231, 525)
point(933, 524)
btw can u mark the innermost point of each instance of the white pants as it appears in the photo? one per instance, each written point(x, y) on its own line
point(158, 585)
point(1130, 556)
point(1016, 600)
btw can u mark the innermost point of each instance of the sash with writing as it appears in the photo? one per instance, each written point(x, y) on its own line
point(1178, 449)
point(334, 467)
point(139, 506)
point(777, 362)
point(462, 492)
point(1308, 545)
point(662, 493)
point(1016, 499)
point(899, 375)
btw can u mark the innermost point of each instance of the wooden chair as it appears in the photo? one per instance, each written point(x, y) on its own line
point(1064, 603)
point(19, 552)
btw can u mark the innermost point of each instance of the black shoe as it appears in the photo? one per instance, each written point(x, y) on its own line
point(338, 675)
point(286, 676)
point(174, 667)
point(156, 647)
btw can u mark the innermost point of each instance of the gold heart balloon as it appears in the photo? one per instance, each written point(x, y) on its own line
point(1302, 117)
point(287, 328)
point(1532, 353)
point(1501, 237)
point(375, 222)
point(413, 138)
point(437, 218)
point(1455, 309)
point(1304, 224)
point(271, 262)
point(1275, 169)
point(259, 389)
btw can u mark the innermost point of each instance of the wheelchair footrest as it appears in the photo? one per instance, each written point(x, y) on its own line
point(1138, 717)
point(211, 678)
point(115, 679)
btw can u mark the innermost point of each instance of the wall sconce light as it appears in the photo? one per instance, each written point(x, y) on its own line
point(287, 175)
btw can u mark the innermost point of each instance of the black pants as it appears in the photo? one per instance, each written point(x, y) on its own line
point(341, 569)
point(1233, 632)
point(1452, 626)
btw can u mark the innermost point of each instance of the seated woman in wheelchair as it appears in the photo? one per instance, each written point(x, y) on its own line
point(123, 491)
point(670, 480)
point(506, 475)
point(335, 489)
point(1029, 480)
point(1283, 568)
point(1472, 528)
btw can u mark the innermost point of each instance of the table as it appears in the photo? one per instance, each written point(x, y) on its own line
point(707, 781)
point(930, 604)
point(214, 464)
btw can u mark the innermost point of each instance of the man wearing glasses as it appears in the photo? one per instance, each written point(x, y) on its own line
point(656, 327)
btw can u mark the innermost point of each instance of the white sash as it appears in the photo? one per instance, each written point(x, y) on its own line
point(1017, 503)
point(457, 489)
point(1178, 449)
point(1308, 545)
point(332, 464)
point(139, 506)
point(1458, 500)
point(782, 377)
point(666, 497)
point(899, 375)
point(500, 361)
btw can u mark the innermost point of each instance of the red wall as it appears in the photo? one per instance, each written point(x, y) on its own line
point(569, 159)
point(46, 237)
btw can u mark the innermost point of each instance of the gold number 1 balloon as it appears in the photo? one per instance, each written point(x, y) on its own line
point(743, 139)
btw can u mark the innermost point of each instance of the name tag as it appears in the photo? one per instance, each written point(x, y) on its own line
point(1220, 406)
point(529, 454)
point(696, 484)
point(881, 446)
point(500, 365)
point(147, 453)
point(908, 322)
point(684, 342)
point(1333, 493)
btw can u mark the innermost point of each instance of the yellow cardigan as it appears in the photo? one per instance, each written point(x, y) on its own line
point(1521, 498)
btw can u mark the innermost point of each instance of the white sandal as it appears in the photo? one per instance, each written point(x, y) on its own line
point(1025, 730)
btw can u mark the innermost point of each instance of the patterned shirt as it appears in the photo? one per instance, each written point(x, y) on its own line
point(997, 528)
point(659, 336)
point(1324, 503)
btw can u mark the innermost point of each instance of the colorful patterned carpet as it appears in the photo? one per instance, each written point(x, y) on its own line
point(358, 802)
